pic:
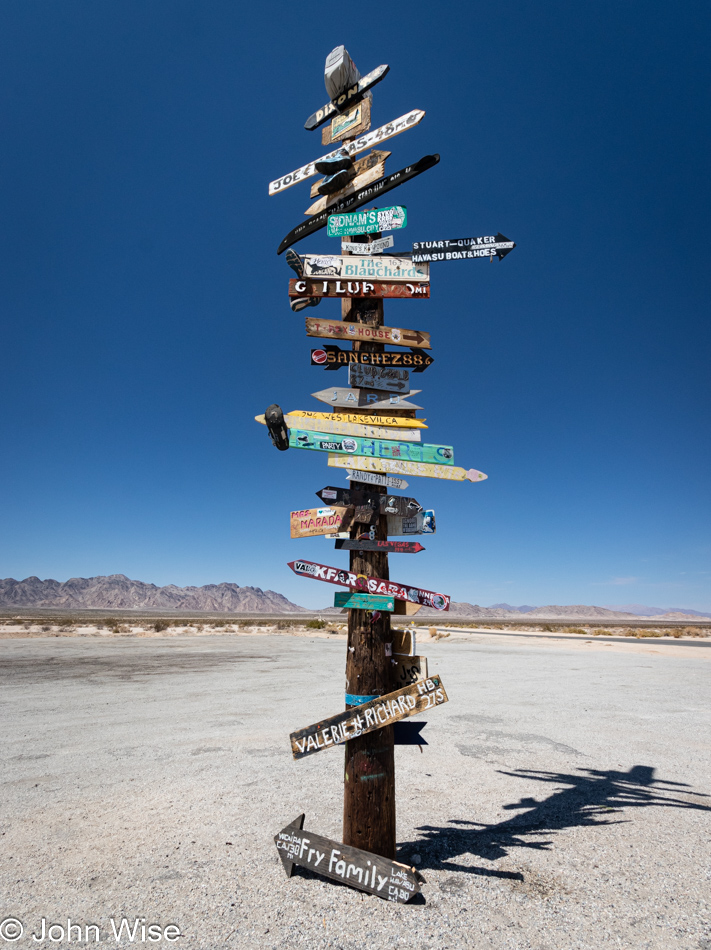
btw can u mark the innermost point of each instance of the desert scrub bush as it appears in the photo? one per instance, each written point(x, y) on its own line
point(160, 625)
point(315, 624)
point(576, 630)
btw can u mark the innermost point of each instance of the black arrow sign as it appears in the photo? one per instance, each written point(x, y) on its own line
point(408, 733)
point(358, 198)
point(365, 544)
point(461, 249)
point(347, 99)
point(384, 504)
point(365, 871)
point(417, 361)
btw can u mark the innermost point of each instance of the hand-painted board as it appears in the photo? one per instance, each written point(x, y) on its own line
point(350, 601)
point(393, 218)
point(375, 247)
point(408, 669)
point(350, 96)
point(375, 478)
point(344, 398)
point(423, 522)
point(385, 378)
point(392, 547)
point(367, 872)
point(358, 288)
point(381, 267)
point(312, 522)
point(385, 504)
point(371, 585)
point(355, 184)
point(362, 196)
point(359, 418)
point(462, 248)
point(408, 121)
point(360, 720)
point(353, 446)
point(332, 356)
point(355, 121)
point(340, 330)
point(403, 467)
point(326, 424)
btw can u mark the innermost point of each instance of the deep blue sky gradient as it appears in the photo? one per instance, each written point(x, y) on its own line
point(145, 318)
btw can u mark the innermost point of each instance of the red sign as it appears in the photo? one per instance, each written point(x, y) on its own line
point(319, 356)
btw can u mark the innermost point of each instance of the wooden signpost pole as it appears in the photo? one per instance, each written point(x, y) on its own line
point(369, 778)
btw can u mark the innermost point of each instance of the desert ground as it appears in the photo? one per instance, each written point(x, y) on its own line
point(563, 800)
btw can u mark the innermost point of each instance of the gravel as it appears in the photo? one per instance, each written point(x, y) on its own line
point(563, 800)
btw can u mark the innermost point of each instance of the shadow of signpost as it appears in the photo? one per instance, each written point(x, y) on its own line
point(591, 798)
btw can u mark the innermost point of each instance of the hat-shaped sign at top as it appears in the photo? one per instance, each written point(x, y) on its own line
point(340, 72)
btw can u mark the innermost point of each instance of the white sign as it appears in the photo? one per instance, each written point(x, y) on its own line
point(364, 249)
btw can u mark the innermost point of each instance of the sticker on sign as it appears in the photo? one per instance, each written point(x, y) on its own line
point(367, 222)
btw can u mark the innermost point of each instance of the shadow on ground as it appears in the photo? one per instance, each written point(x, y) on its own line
point(590, 799)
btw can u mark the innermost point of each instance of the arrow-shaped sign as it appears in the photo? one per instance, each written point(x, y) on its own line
point(350, 268)
point(408, 733)
point(375, 478)
point(326, 424)
point(358, 288)
point(340, 862)
point(461, 249)
point(331, 356)
point(369, 716)
point(384, 504)
point(372, 585)
point(375, 247)
point(365, 544)
point(342, 397)
point(352, 446)
point(385, 132)
point(360, 197)
point(359, 418)
point(403, 467)
point(379, 377)
point(347, 98)
point(338, 330)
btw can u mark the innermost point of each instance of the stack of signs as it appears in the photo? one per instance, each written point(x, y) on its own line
point(371, 430)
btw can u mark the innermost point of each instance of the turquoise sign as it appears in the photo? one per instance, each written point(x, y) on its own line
point(364, 601)
point(367, 222)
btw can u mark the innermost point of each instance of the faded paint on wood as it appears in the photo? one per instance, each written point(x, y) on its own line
point(312, 522)
point(340, 330)
point(378, 448)
point(366, 544)
point(354, 185)
point(408, 669)
point(360, 720)
point(358, 288)
point(354, 601)
point(351, 95)
point(404, 467)
point(366, 399)
point(385, 267)
point(355, 121)
point(360, 165)
point(363, 418)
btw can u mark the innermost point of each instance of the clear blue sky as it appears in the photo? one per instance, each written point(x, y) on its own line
point(145, 318)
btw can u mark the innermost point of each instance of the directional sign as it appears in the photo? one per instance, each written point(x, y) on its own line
point(385, 132)
point(392, 547)
point(312, 522)
point(335, 357)
point(338, 330)
point(340, 862)
point(361, 165)
point(365, 398)
point(355, 121)
point(358, 288)
point(356, 417)
point(382, 267)
point(371, 585)
point(408, 669)
point(442, 455)
point(354, 184)
point(375, 247)
point(385, 504)
point(327, 424)
point(423, 522)
point(350, 601)
point(367, 222)
point(356, 92)
point(360, 720)
point(386, 378)
point(408, 733)
point(360, 197)
point(400, 467)
point(462, 248)
point(374, 478)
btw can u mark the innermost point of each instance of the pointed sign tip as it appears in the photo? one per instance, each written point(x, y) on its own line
point(296, 825)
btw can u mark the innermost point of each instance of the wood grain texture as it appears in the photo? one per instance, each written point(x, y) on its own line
point(360, 165)
point(355, 184)
point(349, 600)
point(394, 336)
point(349, 124)
point(358, 288)
point(393, 466)
point(313, 522)
point(361, 417)
point(385, 267)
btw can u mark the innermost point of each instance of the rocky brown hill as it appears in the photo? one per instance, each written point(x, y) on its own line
point(119, 592)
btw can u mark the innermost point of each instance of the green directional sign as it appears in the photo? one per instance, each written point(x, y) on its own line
point(363, 601)
point(367, 222)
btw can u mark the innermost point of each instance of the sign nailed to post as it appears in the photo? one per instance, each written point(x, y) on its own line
point(331, 356)
point(462, 248)
point(372, 585)
point(360, 869)
point(358, 288)
point(395, 466)
point(383, 711)
point(381, 267)
point(356, 92)
point(367, 222)
point(365, 398)
point(377, 448)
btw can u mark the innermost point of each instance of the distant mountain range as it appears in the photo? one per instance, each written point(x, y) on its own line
point(118, 592)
